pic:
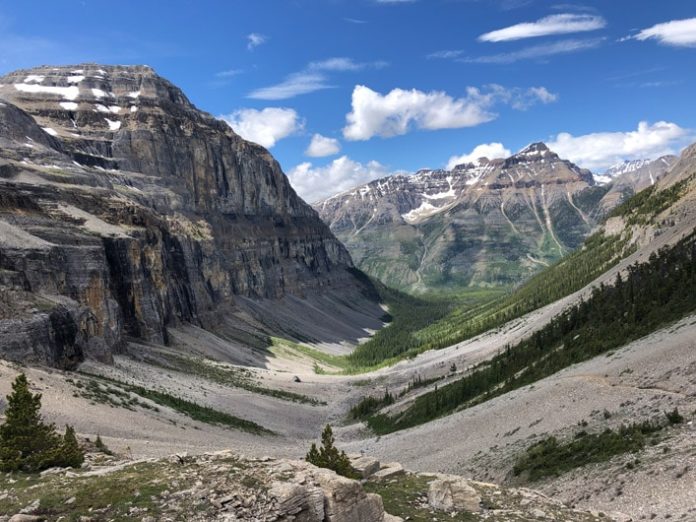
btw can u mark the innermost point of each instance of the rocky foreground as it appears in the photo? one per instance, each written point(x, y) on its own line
point(225, 486)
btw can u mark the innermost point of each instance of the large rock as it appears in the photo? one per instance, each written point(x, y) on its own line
point(346, 501)
point(452, 493)
point(365, 465)
point(320, 495)
point(389, 470)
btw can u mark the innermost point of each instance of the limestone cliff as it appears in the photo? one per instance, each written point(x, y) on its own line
point(124, 210)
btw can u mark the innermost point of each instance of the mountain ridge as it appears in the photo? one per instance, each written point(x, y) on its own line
point(138, 212)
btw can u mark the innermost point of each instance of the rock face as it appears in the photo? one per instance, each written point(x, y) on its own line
point(490, 223)
point(124, 211)
point(452, 493)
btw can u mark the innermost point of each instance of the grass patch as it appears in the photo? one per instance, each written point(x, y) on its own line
point(236, 377)
point(404, 497)
point(190, 409)
point(114, 495)
point(551, 457)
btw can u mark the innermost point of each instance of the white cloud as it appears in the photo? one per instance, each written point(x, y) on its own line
point(313, 78)
point(600, 150)
point(680, 33)
point(265, 127)
point(344, 64)
point(322, 146)
point(549, 25)
point(537, 52)
point(399, 111)
point(485, 150)
point(255, 39)
point(393, 114)
point(229, 73)
point(316, 183)
point(294, 85)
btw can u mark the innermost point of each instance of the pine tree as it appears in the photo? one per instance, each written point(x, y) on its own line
point(26, 442)
point(329, 456)
point(69, 453)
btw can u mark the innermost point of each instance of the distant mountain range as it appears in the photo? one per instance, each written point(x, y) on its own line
point(488, 223)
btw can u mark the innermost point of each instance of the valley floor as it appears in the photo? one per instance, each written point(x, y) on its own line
point(637, 382)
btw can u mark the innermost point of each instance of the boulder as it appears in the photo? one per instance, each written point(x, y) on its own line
point(346, 501)
point(452, 493)
point(366, 466)
point(393, 469)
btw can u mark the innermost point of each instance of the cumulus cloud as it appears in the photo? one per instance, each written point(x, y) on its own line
point(399, 111)
point(316, 183)
point(255, 39)
point(549, 25)
point(321, 146)
point(600, 150)
point(265, 127)
point(485, 150)
point(678, 33)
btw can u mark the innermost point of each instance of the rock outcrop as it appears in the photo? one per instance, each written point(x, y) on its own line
point(225, 487)
point(125, 211)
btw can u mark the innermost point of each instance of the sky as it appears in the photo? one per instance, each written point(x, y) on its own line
point(346, 91)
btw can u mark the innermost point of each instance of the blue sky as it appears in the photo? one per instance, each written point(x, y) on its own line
point(379, 86)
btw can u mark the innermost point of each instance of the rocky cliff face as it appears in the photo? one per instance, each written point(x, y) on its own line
point(490, 223)
point(124, 210)
point(628, 178)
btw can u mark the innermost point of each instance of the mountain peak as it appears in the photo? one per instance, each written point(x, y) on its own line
point(534, 148)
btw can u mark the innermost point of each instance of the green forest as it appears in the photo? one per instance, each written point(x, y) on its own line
point(649, 296)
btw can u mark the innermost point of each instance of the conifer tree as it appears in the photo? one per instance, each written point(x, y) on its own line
point(329, 456)
point(26, 442)
point(69, 452)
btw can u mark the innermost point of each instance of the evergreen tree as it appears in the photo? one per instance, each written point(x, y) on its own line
point(26, 442)
point(329, 456)
point(69, 453)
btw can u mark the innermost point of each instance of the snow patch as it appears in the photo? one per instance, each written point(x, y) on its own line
point(133, 108)
point(135, 95)
point(69, 106)
point(69, 93)
point(425, 210)
point(49, 130)
point(34, 78)
point(113, 125)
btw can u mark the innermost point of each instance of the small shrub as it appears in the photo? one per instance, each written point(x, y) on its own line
point(329, 457)
point(674, 417)
point(99, 444)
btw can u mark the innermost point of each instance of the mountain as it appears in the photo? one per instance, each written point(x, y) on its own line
point(630, 177)
point(489, 223)
point(126, 212)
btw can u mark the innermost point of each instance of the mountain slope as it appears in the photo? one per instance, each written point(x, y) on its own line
point(628, 178)
point(490, 223)
point(125, 211)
